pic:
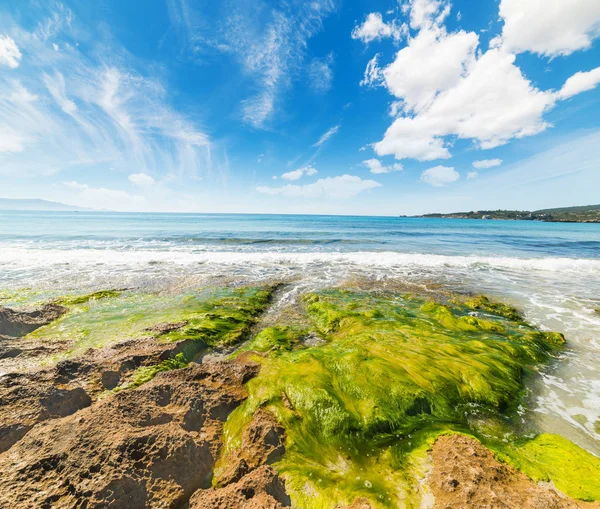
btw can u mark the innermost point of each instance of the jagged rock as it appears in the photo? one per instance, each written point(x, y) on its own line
point(28, 399)
point(149, 447)
point(18, 323)
point(467, 475)
point(260, 489)
point(263, 443)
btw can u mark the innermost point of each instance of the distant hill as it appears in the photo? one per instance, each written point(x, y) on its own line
point(583, 214)
point(10, 204)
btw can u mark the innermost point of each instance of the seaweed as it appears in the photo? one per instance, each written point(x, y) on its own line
point(395, 371)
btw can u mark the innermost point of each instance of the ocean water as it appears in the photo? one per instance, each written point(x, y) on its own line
point(549, 270)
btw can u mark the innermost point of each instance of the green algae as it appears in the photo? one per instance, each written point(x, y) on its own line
point(394, 373)
point(216, 316)
point(573, 470)
point(72, 300)
point(147, 373)
point(274, 339)
point(482, 303)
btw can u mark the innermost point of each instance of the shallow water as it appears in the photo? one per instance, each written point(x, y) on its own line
point(551, 271)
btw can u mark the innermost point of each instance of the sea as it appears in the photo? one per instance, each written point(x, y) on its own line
point(551, 271)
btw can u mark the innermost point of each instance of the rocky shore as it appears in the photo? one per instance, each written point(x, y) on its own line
point(350, 398)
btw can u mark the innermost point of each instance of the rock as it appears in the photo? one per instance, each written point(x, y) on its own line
point(149, 447)
point(263, 443)
point(19, 323)
point(165, 327)
point(467, 475)
point(28, 399)
point(260, 489)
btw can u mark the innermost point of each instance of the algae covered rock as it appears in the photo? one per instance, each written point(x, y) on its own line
point(395, 371)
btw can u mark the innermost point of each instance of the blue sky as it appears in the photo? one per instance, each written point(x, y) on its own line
point(288, 106)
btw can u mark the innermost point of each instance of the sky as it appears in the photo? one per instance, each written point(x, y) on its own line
point(366, 107)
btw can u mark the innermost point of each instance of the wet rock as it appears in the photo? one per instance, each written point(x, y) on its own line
point(263, 443)
point(149, 447)
point(165, 327)
point(467, 475)
point(260, 489)
point(19, 323)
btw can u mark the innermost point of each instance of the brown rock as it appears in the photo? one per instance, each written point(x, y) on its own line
point(149, 447)
point(467, 475)
point(263, 443)
point(18, 323)
point(260, 489)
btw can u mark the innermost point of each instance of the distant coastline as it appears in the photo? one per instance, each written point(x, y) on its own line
point(583, 214)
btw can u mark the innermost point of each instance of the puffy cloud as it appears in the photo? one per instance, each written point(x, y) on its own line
point(375, 166)
point(424, 13)
point(10, 54)
point(580, 82)
point(487, 163)
point(374, 28)
point(141, 179)
point(341, 187)
point(433, 62)
point(305, 171)
point(440, 176)
point(472, 175)
point(549, 28)
point(327, 135)
point(446, 88)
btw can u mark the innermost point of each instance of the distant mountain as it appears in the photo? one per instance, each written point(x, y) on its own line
point(584, 214)
point(10, 204)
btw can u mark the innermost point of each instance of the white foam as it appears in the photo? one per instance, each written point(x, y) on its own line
point(29, 258)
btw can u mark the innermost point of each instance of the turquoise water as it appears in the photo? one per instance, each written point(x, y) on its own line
point(549, 270)
point(203, 232)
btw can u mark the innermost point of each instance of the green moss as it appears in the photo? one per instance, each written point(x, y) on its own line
point(147, 373)
point(73, 300)
point(271, 339)
point(482, 303)
point(215, 316)
point(547, 457)
point(395, 371)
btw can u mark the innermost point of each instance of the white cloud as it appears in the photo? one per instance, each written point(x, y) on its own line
point(320, 73)
point(487, 163)
point(305, 171)
point(375, 166)
point(141, 179)
point(472, 175)
point(440, 176)
point(374, 28)
point(72, 184)
point(327, 135)
point(64, 110)
point(549, 28)
point(580, 82)
point(103, 198)
point(341, 187)
point(10, 54)
point(424, 13)
point(56, 87)
point(269, 43)
point(446, 88)
point(372, 76)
